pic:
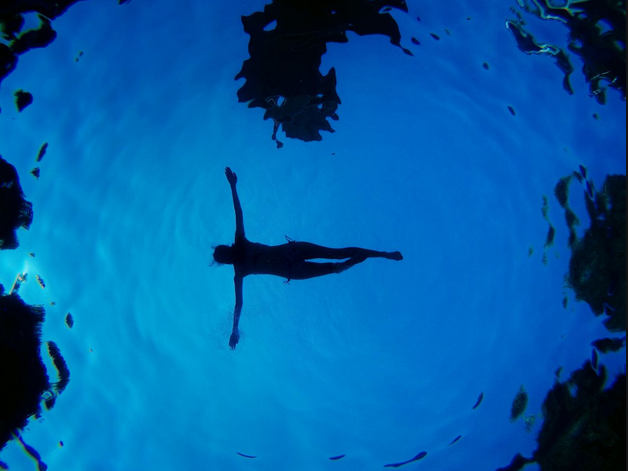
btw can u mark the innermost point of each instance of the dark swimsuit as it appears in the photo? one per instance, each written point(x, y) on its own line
point(289, 259)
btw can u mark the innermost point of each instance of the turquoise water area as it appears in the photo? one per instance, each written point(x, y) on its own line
point(138, 105)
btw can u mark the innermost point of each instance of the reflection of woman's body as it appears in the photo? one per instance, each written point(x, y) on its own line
point(286, 260)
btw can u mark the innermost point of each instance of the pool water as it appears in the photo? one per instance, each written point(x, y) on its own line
point(138, 105)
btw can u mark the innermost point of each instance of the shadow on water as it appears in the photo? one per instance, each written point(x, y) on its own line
point(583, 422)
point(26, 385)
point(597, 268)
point(596, 34)
point(583, 425)
point(286, 46)
point(19, 41)
point(15, 211)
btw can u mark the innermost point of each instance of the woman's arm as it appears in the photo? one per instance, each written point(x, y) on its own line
point(233, 179)
point(235, 333)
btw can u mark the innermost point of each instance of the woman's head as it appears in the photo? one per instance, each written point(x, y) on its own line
point(223, 254)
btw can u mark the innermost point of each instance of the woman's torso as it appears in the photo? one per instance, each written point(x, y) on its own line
point(252, 258)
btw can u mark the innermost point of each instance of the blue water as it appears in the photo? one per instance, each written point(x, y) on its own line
point(378, 363)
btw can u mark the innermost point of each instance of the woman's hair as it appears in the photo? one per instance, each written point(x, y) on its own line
point(223, 255)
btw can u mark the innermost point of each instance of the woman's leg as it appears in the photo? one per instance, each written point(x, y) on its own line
point(305, 270)
point(308, 251)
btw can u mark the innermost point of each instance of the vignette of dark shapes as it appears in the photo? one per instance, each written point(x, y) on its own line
point(418, 457)
point(63, 372)
point(609, 345)
point(551, 234)
point(287, 42)
point(246, 456)
point(15, 211)
point(22, 100)
point(19, 42)
point(478, 402)
point(30, 451)
point(33, 38)
point(24, 377)
point(527, 44)
point(597, 267)
point(519, 404)
point(545, 208)
point(595, 359)
point(40, 281)
point(561, 192)
point(601, 50)
point(455, 440)
point(12, 22)
point(583, 425)
point(42, 151)
point(551, 231)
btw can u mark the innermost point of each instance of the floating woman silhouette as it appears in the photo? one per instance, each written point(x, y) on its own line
point(287, 260)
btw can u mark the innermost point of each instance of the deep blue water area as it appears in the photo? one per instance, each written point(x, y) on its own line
point(139, 107)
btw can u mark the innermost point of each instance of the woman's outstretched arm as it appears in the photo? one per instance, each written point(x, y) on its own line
point(232, 178)
point(235, 333)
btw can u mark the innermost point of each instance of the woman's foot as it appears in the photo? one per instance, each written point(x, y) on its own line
point(394, 256)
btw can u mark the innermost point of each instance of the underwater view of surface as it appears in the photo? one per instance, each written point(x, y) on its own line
point(475, 138)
